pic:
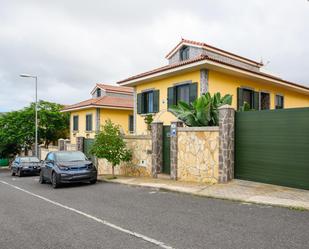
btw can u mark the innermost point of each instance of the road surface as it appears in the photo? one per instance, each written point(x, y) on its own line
point(107, 215)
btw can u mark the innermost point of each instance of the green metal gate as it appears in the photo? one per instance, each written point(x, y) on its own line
point(273, 147)
point(166, 150)
point(88, 142)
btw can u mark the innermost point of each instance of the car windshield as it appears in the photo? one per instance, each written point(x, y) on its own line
point(70, 156)
point(29, 160)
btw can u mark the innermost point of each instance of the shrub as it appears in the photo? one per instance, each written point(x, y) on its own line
point(109, 144)
point(203, 111)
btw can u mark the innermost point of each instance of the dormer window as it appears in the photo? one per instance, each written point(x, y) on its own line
point(98, 92)
point(184, 53)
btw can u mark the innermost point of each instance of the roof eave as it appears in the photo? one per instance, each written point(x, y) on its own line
point(96, 106)
point(163, 74)
point(214, 49)
point(209, 64)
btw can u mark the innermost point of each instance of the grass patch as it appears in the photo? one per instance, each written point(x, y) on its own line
point(298, 208)
point(111, 177)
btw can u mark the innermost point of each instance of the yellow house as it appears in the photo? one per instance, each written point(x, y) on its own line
point(195, 68)
point(107, 102)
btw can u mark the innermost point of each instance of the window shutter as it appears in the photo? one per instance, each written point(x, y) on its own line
point(192, 92)
point(156, 97)
point(139, 103)
point(240, 99)
point(131, 123)
point(256, 101)
point(171, 100)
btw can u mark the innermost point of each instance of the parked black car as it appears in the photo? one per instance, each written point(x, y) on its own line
point(26, 166)
point(67, 166)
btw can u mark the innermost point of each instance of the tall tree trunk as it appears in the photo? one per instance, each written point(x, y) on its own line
point(113, 171)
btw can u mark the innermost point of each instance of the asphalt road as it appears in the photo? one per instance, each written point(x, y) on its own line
point(117, 216)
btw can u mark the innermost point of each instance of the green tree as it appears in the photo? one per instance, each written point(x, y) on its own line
point(203, 111)
point(17, 128)
point(52, 123)
point(109, 144)
point(16, 132)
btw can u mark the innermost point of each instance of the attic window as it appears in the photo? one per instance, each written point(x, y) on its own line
point(184, 53)
point(98, 93)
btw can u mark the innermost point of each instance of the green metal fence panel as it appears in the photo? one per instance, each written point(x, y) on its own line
point(166, 149)
point(4, 162)
point(273, 147)
point(88, 142)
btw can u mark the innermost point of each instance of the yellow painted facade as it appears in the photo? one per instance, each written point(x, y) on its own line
point(81, 132)
point(217, 82)
point(228, 84)
point(117, 116)
point(120, 117)
point(162, 85)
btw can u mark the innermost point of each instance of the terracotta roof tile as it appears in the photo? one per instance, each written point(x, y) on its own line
point(205, 45)
point(105, 101)
point(115, 89)
point(201, 58)
point(164, 68)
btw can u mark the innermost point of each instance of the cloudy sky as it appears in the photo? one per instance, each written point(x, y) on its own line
point(73, 44)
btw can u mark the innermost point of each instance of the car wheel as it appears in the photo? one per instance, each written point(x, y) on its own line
point(13, 173)
point(55, 181)
point(42, 180)
point(20, 173)
point(93, 181)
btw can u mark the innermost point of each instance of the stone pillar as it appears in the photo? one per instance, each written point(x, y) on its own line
point(97, 120)
point(61, 144)
point(226, 143)
point(80, 143)
point(174, 148)
point(157, 146)
point(203, 81)
point(66, 144)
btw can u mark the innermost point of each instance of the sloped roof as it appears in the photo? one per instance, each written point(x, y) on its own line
point(164, 68)
point(207, 58)
point(113, 89)
point(209, 47)
point(102, 102)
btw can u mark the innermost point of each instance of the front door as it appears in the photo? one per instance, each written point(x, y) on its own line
point(166, 150)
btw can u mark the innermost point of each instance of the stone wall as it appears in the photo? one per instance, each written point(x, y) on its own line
point(45, 151)
point(141, 147)
point(198, 154)
point(63, 144)
point(71, 147)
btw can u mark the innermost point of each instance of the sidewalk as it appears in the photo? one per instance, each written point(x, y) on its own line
point(237, 190)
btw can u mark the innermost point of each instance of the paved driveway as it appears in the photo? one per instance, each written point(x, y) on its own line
point(108, 215)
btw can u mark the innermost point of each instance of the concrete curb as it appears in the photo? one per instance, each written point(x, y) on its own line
point(196, 193)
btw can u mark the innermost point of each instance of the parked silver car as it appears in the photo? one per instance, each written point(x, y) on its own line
point(27, 165)
point(67, 166)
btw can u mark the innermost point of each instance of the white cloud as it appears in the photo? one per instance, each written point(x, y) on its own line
point(71, 45)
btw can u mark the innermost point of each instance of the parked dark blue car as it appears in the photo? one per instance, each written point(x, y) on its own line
point(67, 166)
point(25, 166)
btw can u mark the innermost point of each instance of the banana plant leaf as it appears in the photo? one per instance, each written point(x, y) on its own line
point(204, 111)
